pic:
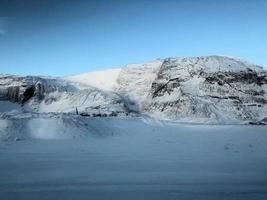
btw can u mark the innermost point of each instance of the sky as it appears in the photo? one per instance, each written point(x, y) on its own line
point(64, 37)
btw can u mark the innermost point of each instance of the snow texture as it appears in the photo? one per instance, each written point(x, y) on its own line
point(131, 158)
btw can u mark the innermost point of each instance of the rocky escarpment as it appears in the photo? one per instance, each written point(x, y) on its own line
point(213, 88)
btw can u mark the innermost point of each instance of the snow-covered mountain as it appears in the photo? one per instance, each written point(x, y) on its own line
point(208, 89)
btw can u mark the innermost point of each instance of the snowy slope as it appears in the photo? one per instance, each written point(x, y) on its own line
point(39, 94)
point(135, 81)
point(105, 80)
point(207, 89)
point(89, 101)
point(211, 88)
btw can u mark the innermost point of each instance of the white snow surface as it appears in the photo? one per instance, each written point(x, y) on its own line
point(69, 157)
point(105, 80)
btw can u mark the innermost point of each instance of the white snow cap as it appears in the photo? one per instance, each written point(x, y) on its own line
point(106, 79)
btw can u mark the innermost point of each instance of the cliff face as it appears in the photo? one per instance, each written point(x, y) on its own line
point(21, 89)
point(200, 89)
point(16, 89)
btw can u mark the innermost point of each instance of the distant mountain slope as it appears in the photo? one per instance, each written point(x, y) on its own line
point(106, 80)
point(207, 89)
point(214, 88)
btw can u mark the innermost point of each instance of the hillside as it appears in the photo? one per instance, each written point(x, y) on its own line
point(207, 89)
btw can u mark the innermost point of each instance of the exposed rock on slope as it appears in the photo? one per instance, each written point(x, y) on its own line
point(213, 88)
point(21, 89)
point(134, 82)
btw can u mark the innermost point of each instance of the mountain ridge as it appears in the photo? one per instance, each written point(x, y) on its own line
point(208, 89)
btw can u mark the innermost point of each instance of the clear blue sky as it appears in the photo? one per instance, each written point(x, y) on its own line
point(54, 37)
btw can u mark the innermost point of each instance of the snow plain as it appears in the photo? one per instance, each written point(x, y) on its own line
point(133, 158)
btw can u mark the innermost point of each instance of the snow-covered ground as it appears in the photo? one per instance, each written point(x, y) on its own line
point(133, 158)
